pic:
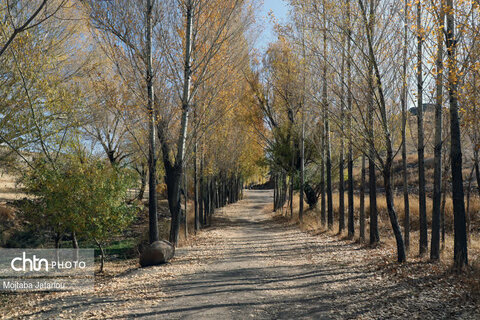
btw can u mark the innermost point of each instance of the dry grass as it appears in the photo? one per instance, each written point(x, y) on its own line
point(418, 267)
point(311, 223)
point(9, 190)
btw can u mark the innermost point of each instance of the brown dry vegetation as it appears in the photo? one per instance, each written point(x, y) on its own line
point(312, 222)
point(9, 190)
point(417, 266)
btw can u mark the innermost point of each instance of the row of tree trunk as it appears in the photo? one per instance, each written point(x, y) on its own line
point(214, 192)
point(279, 191)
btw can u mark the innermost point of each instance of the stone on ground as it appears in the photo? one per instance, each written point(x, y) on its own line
point(157, 253)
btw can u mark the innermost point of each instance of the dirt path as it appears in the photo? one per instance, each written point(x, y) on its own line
point(247, 266)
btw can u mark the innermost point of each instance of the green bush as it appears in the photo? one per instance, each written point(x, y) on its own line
point(85, 197)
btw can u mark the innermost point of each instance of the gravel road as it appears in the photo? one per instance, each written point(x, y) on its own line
point(247, 266)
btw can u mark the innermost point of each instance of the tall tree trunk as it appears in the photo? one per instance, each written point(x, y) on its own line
point(437, 174)
point(182, 139)
point(404, 99)
point(341, 191)
point(476, 100)
point(206, 200)
point(279, 191)
point(327, 124)
point(351, 207)
point(446, 169)
point(143, 183)
point(201, 193)
point(173, 181)
point(292, 160)
point(323, 207)
point(341, 204)
point(477, 168)
point(372, 179)
point(185, 195)
point(302, 141)
point(460, 237)
point(442, 216)
point(421, 145)
point(362, 201)
point(387, 172)
point(206, 196)
point(291, 195)
point(302, 169)
point(212, 199)
point(284, 190)
point(195, 187)
point(372, 186)
point(329, 175)
point(275, 192)
point(152, 163)
point(469, 191)
point(341, 164)
point(209, 202)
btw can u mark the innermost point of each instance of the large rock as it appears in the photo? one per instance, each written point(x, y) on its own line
point(157, 253)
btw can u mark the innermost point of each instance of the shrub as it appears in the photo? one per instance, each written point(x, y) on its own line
point(84, 197)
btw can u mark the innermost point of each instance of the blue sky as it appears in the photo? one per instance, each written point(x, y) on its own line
point(280, 10)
